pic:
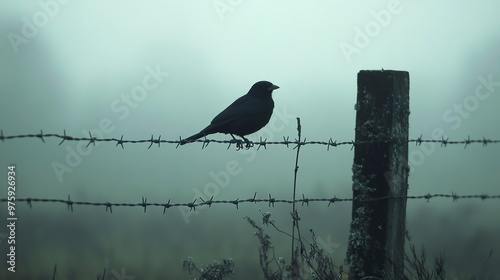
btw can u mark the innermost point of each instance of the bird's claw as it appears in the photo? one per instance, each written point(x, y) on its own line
point(240, 144)
point(248, 144)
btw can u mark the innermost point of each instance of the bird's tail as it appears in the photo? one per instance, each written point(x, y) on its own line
point(192, 138)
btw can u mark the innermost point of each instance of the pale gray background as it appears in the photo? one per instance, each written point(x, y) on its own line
point(90, 53)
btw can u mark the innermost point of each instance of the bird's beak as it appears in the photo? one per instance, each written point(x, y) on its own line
point(273, 87)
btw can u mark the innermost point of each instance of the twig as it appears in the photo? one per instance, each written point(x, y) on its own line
point(295, 215)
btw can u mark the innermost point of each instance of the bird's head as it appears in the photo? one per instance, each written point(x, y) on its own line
point(262, 88)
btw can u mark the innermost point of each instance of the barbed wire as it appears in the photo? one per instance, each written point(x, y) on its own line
point(261, 143)
point(236, 202)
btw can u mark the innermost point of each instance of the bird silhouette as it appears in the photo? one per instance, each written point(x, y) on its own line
point(244, 116)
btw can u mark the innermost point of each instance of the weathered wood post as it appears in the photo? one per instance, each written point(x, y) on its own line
point(380, 169)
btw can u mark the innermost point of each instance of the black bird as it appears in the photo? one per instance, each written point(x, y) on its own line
point(244, 116)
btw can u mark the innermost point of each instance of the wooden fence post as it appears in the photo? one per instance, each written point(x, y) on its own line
point(380, 169)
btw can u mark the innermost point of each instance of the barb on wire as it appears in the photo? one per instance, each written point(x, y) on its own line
point(91, 139)
point(270, 200)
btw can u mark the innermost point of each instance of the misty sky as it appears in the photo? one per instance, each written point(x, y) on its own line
point(142, 68)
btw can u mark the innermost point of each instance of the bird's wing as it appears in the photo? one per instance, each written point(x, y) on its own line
point(241, 108)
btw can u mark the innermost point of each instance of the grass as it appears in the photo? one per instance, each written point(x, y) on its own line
point(312, 261)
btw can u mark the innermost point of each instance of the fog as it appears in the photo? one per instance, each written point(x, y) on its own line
point(151, 68)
